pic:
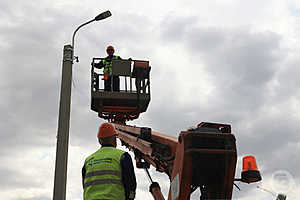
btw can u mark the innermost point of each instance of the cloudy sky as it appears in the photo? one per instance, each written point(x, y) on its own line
point(228, 61)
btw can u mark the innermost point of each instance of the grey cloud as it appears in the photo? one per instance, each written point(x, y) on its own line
point(286, 81)
point(242, 63)
point(173, 29)
point(13, 178)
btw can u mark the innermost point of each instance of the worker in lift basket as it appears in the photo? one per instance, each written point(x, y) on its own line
point(108, 174)
point(106, 63)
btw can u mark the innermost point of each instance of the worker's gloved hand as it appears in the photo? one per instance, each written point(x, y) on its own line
point(98, 65)
point(131, 195)
point(154, 185)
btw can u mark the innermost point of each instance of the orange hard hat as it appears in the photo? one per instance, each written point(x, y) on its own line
point(110, 48)
point(107, 130)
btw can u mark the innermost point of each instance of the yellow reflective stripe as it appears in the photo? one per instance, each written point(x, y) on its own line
point(104, 172)
point(103, 181)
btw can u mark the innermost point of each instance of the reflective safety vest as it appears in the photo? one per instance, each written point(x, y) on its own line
point(103, 178)
point(108, 65)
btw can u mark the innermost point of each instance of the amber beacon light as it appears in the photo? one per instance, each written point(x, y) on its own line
point(250, 173)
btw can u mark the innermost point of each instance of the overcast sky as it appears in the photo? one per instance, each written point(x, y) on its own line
point(228, 61)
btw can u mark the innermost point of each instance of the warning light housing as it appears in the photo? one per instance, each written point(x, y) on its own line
point(250, 173)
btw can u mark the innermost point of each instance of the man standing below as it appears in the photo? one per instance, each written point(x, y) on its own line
point(108, 174)
point(106, 63)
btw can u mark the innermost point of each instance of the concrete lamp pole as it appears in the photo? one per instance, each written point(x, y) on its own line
point(60, 177)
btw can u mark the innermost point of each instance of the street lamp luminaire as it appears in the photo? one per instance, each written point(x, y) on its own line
point(60, 177)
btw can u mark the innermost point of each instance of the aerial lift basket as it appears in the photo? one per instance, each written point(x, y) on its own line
point(131, 100)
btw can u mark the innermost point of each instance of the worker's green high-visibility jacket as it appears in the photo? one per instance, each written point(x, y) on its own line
point(107, 63)
point(103, 179)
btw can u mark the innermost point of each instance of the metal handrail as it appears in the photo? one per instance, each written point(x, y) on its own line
point(93, 73)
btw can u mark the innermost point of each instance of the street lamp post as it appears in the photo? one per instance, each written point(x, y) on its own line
point(60, 177)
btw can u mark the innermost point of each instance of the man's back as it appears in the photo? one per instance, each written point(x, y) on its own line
point(103, 175)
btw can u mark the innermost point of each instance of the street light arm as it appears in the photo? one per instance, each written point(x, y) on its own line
point(101, 16)
point(73, 37)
